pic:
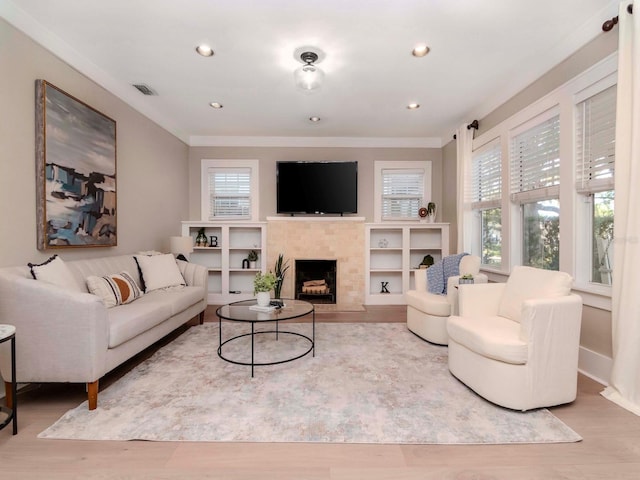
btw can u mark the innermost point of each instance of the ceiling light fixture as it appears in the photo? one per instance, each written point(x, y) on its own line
point(413, 106)
point(308, 77)
point(420, 50)
point(314, 119)
point(204, 50)
point(216, 105)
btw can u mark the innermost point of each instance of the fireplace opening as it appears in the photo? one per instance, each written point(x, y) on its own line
point(316, 281)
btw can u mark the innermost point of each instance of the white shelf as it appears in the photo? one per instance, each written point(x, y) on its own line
point(406, 246)
point(224, 262)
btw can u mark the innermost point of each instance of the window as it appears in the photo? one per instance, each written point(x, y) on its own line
point(229, 190)
point(486, 181)
point(595, 166)
point(535, 186)
point(402, 188)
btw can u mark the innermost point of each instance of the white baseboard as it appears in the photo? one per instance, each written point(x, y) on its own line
point(595, 365)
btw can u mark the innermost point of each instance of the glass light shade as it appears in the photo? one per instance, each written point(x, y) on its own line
point(308, 77)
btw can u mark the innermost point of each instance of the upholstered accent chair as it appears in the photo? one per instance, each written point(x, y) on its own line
point(427, 312)
point(516, 343)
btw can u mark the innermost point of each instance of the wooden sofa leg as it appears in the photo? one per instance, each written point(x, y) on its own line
point(201, 317)
point(8, 394)
point(92, 394)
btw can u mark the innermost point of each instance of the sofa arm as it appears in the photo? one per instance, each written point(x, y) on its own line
point(480, 299)
point(452, 291)
point(420, 279)
point(61, 336)
point(195, 275)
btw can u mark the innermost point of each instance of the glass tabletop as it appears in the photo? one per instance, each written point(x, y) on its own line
point(241, 311)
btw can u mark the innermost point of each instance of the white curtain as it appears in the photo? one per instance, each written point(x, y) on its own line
point(464, 137)
point(624, 386)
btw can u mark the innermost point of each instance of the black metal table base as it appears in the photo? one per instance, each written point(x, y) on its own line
point(12, 413)
point(253, 333)
point(310, 340)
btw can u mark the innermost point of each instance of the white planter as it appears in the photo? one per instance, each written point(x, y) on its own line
point(263, 299)
point(253, 265)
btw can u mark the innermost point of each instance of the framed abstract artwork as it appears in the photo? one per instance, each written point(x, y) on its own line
point(76, 172)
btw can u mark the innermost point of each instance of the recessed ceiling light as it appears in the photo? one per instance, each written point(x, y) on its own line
point(314, 119)
point(204, 50)
point(216, 105)
point(420, 50)
point(413, 106)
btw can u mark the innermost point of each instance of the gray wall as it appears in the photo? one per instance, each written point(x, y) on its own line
point(268, 156)
point(151, 167)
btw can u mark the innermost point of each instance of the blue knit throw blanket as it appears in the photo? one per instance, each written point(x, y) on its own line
point(438, 274)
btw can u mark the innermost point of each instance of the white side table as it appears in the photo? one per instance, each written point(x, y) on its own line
point(8, 333)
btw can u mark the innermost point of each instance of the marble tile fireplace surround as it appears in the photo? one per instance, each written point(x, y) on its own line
point(322, 238)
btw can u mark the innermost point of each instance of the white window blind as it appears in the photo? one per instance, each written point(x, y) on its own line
point(535, 162)
point(229, 193)
point(486, 176)
point(402, 193)
point(595, 142)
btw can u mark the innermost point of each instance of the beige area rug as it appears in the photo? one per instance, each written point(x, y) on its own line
point(368, 383)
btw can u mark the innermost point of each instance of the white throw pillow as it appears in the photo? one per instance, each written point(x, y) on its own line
point(56, 272)
point(526, 283)
point(116, 289)
point(159, 271)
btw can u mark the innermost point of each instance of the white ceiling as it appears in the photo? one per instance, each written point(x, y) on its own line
point(482, 52)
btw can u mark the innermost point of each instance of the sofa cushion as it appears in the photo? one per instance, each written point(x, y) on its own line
point(56, 272)
point(128, 321)
point(115, 289)
point(159, 271)
point(492, 336)
point(178, 298)
point(430, 303)
point(526, 283)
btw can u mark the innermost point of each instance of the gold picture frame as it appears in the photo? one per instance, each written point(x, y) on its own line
point(76, 172)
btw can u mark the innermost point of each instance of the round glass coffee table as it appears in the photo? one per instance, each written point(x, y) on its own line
point(243, 313)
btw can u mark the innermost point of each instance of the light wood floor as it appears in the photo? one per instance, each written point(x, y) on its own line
point(610, 449)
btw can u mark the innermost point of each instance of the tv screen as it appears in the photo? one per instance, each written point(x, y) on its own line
point(317, 187)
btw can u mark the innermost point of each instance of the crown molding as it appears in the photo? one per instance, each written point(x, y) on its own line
point(319, 142)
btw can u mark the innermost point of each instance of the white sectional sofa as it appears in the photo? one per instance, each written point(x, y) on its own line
point(69, 335)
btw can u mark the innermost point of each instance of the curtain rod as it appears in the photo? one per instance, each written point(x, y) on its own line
point(609, 24)
point(475, 125)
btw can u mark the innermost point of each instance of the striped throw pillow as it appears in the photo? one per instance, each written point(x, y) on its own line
point(116, 289)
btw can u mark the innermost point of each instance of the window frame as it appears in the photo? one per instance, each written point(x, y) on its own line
point(584, 206)
point(380, 166)
point(564, 98)
point(479, 206)
point(231, 164)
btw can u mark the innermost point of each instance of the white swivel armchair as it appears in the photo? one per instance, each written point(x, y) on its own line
point(516, 343)
point(427, 312)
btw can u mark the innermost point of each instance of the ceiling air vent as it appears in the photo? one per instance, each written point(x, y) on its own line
point(145, 89)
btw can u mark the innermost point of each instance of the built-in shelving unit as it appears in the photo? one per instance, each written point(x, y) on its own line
point(229, 279)
point(393, 251)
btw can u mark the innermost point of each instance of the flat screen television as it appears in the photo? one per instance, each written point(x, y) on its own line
point(317, 187)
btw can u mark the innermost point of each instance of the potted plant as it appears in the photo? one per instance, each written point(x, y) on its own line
point(201, 239)
point(253, 259)
point(263, 283)
point(280, 270)
point(427, 261)
point(464, 279)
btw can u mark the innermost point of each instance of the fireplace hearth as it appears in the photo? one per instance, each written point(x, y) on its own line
point(316, 280)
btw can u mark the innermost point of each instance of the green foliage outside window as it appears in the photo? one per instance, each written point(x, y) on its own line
point(491, 228)
point(541, 239)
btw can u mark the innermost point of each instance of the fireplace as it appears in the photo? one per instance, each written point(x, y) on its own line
point(316, 280)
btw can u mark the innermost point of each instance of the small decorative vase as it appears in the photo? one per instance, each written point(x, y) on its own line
point(263, 299)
